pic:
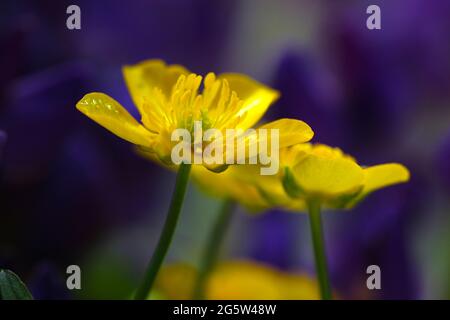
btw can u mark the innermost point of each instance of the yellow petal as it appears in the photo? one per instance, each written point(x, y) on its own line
point(329, 152)
point(108, 113)
point(256, 97)
point(380, 176)
point(292, 155)
point(327, 177)
point(291, 131)
point(141, 78)
point(384, 175)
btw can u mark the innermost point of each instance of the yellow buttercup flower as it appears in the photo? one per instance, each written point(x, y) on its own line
point(311, 177)
point(175, 104)
point(307, 171)
point(327, 175)
point(323, 176)
point(168, 97)
point(240, 280)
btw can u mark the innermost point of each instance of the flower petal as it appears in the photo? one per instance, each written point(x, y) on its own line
point(292, 155)
point(291, 131)
point(256, 96)
point(378, 177)
point(141, 78)
point(328, 178)
point(108, 113)
point(383, 175)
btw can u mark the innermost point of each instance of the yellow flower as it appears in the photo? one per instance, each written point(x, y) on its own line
point(168, 98)
point(336, 180)
point(240, 280)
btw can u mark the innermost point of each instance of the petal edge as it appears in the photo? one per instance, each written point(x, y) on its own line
point(108, 113)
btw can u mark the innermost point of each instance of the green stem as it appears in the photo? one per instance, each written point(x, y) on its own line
point(167, 233)
point(319, 249)
point(213, 243)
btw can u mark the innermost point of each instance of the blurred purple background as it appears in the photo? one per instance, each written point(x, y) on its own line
point(72, 193)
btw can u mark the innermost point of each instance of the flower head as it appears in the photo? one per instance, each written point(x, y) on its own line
point(169, 97)
point(237, 280)
point(335, 179)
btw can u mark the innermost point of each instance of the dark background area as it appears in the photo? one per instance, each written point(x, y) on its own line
point(72, 193)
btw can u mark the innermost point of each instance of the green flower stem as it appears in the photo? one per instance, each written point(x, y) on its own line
point(213, 243)
point(167, 233)
point(319, 249)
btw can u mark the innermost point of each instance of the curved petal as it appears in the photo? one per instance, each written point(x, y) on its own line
point(383, 175)
point(378, 177)
point(330, 152)
point(108, 113)
point(141, 78)
point(256, 97)
point(291, 131)
point(328, 178)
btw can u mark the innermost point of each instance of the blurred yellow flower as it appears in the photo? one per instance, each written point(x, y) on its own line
point(334, 179)
point(307, 171)
point(240, 280)
point(167, 98)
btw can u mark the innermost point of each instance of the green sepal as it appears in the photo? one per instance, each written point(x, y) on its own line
point(290, 185)
point(345, 201)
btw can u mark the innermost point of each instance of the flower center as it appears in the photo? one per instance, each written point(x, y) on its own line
point(216, 107)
